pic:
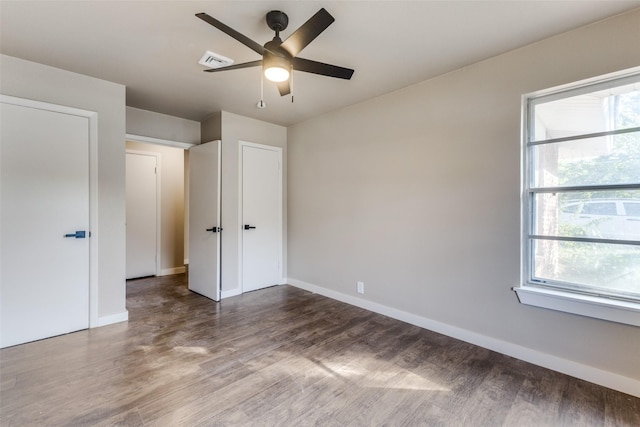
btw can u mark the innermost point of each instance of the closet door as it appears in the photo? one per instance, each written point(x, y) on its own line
point(261, 216)
point(204, 219)
point(44, 223)
point(142, 214)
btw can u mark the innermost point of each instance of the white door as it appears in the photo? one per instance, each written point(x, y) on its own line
point(261, 216)
point(204, 219)
point(44, 224)
point(142, 214)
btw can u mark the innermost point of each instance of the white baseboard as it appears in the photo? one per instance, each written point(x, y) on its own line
point(574, 369)
point(175, 270)
point(113, 318)
point(230, 293)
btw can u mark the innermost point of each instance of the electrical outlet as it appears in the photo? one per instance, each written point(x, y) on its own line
point(360, 287)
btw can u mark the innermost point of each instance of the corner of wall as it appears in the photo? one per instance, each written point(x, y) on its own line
point(211, 127)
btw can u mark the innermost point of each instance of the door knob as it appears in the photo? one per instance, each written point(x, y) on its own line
point(78, 234)
point(248, 227)
point(214, 229)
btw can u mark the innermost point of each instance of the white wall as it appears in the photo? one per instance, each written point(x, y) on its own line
point(231, 129)
point(30, 80)
point(172, 215)
point(416, 193)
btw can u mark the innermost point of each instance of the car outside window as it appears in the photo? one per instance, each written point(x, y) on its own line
point(595, 208)
point(632, 208)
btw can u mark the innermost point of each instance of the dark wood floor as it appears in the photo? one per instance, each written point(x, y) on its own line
point(282, 356)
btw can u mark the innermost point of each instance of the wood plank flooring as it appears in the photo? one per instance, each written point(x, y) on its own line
point(282, 357)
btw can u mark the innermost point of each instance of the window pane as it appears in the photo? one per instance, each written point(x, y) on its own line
point(601, 214)
point(632, 209)
point(600, 111)
point(613, 159)
point(609, 268)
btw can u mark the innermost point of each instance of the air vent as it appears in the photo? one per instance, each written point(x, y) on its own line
point(214, 60)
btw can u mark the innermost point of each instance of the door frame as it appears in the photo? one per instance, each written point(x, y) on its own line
point(279, 150)
point(92, 118)
point(158, 157)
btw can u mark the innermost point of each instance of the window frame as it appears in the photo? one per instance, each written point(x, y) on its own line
point(555, 296)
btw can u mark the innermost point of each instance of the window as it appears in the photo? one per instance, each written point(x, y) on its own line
point(581, 193)
point(632, 209)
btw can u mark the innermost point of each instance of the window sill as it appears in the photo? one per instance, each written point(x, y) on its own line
point(584, 305)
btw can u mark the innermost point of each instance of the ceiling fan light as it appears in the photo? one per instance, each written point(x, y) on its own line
point(276, 74)
point(276, 68)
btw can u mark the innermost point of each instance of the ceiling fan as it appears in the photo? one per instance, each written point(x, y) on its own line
point(279, 57)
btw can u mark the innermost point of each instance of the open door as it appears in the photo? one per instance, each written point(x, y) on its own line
point(204, 219)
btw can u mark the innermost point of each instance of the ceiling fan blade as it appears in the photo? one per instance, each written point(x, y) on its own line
point(307, 32)
point(235, 66)
point(309, 66)
point(256, 47)
point(284, 88)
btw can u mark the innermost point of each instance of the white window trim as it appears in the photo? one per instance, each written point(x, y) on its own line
point(610, 309)
point(584, 305)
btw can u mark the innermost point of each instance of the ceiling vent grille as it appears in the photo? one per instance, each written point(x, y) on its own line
point(214, 60)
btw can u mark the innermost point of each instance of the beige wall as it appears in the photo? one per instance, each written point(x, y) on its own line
point(162, 126)
point(417, 193)
point(231, 129)
point(211, 128)
point(172, 214)
point(30, 80)
point(186, 206)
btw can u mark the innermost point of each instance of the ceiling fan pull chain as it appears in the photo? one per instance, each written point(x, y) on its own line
point(261, 103)
point(291, 82)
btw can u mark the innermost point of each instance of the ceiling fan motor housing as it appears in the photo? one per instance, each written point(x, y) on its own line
point(277, 20)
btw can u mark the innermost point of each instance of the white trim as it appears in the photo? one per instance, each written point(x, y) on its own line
point(585, 305)
point(166, 142)
point(578, 370)
point(230, 293)
point(158, 157)
point(92, 118)
point(170, 271)
point(93, 221)
point(113, 318)
point(279, 150)
point(561, 90)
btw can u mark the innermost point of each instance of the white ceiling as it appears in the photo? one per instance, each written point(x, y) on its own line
point(153, 47)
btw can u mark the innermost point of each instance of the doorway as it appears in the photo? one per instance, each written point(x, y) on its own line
point(170, 203)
